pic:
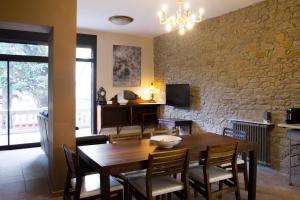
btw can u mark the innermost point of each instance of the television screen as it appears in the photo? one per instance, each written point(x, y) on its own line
point(178, 95)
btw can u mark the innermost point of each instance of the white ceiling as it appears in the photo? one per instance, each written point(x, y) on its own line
point(94, 14)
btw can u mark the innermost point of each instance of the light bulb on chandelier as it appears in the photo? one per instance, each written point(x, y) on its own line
point(183, 19)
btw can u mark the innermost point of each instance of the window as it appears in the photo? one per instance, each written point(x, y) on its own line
point(86, 84)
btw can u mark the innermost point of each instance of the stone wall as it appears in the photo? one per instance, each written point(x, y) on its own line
point(238, 65)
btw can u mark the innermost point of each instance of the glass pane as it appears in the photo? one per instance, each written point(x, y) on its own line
point(83, 96)
point(23, 49)
point(28, 95)
point(3, 104)
point(84, 53)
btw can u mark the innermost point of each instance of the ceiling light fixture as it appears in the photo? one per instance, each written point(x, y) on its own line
point(120, 19)
point(184, 19)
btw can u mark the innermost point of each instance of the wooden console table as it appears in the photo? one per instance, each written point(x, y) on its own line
point(118, 116)
point(176, 123)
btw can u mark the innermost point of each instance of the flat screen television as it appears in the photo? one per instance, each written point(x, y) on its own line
point(178, 95)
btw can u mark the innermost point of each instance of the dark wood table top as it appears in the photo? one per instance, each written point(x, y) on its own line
point(133, 153)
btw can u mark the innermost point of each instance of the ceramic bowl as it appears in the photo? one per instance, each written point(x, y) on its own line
point(123, 102)
point(165, 141)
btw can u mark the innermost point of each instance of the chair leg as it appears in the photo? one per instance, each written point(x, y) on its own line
point(208, 191)
point(237, 194)
point(246, 176)
point(169, 196)
point(195, 193)
point(126, 190)
point(220, 189)
point(187, 194)
point(120, 195)
point(237, 191)
point(129, 194)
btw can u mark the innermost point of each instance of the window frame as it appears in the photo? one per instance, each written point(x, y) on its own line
point(90, 41)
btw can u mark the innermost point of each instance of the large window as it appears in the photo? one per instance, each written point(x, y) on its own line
point(85, 84)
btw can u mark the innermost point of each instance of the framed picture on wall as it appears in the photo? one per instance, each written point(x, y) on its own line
point(126, 66)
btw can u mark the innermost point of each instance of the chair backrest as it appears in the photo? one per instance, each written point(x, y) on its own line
point(234, 133)
point(149, 119)
point(124, 137)
point(165, 132)
point(89, 140)
point(72, 161)
point(217, 155)
point(168, 163)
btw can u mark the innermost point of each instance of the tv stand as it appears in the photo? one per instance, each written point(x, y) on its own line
point(118, 116)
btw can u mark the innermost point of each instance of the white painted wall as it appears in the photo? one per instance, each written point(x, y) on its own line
point(105, 42)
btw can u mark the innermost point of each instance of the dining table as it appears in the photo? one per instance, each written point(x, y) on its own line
point(113, 159)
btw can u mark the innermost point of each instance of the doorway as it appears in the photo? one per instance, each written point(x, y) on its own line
point(23, 92)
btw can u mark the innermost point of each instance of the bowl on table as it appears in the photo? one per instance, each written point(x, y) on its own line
point(165, 141)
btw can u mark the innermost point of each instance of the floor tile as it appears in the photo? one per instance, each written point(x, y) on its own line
point(10, 179)
point(37, 186)
point(12, 188)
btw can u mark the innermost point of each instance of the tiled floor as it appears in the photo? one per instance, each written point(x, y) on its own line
point(23, 176)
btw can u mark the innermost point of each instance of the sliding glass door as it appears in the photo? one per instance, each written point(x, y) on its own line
point(23, 92)
point(28, 95)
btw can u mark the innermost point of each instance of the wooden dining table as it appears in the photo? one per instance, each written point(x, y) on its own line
point(112, 159)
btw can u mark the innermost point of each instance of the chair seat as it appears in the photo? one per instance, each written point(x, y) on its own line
point(160, 185)
point(216, 174)
point(239, 161)
point(91, 185)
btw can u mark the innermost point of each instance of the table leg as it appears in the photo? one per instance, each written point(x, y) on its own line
point(190, 126)
point(252, 175)
point(105, 184)
point(290, 167)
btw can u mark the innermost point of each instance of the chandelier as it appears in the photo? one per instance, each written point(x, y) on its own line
point(183, 20)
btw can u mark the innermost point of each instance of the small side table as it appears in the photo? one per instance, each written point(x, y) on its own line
point(176, 123)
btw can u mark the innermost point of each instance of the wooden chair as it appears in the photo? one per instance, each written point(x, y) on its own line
point(80, 186)
point(154, 132)
point(124, 137)
point(241, 159)
point(92, 139)
point(159, 180)
point(149, 120)
point(125, 177)
point(202, 177)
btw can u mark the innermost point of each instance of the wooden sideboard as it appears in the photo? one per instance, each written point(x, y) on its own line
point(118, 116)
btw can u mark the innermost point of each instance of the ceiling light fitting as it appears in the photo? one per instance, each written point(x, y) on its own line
point(120, 19)
point(183, 20)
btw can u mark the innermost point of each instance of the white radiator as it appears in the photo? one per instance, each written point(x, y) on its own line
point(258, 133)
